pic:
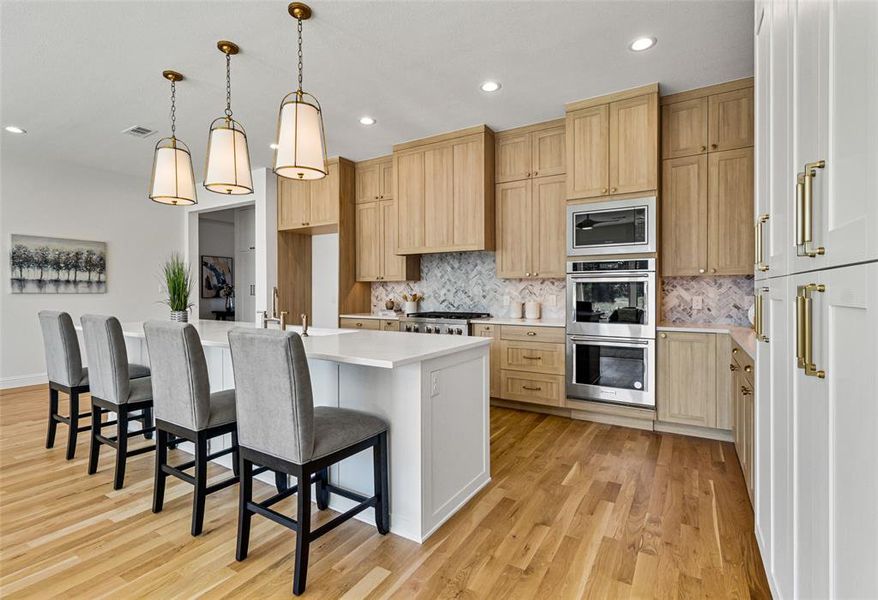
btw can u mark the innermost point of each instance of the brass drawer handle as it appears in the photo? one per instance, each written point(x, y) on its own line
point(531, 332)
point(733, 368)
point(359, 324)
point(532, 389)
point(745, 390)
point(805, 330)
point(532, 357)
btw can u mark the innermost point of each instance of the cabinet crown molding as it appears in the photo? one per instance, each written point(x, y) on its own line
point(720, 88)
point(444, 137)
point(652, 88)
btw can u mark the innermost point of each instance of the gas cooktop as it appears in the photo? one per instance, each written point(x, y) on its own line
point(464, 316)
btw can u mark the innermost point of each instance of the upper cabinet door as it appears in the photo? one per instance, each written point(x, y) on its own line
point(684, 216)
point(368, 241)
point(684, 128)
point(325, 198)
point(588, 146)
point(514, 229)
point(410, 198)
point(438, 197)
point(731, 120)
point(549, 217)
point(367, 178)
point(634, 144)
point(393, 267)
point(294, 203)
point(730, 212)
point(385, 180)
point(468, 193)
point(549, 151)
point(513, 157)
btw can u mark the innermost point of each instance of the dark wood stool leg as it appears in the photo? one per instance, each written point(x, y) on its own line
point(161, 459)
point(303, 516)
point(147, 421)
point(53, 424)
point(280, 481)
point(200, 483)
point(122, 446)
point(235, 455)
point(380, 468)
point(322, 490)
point(245, 495)
point(94, 446)
point(74, 424)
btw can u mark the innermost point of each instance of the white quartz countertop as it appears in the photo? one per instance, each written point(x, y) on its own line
point(382, 349)
point(745, 337)
point(393, 317)
point(559, 322)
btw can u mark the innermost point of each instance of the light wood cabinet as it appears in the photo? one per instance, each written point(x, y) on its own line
point(533, 151)
point(530, 228)
point(443, 187)
point(389, 325)
point(684, 216)
point(731, 120)
point(376, 243)
point(306, 205)
point(707, 193)
point(684, 128)
point(385, 179)
point(491, 331)
point(730, 212)
point(612, 144)
point(535, 388)
point(367, 182)
point(371, 324)
point(743, 394)
point(537, 357)
point(686, 364)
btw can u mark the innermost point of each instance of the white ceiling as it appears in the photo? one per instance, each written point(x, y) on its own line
point(75, 74)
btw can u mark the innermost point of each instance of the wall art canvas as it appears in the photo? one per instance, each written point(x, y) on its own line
point(216, 274)
point(46, 265)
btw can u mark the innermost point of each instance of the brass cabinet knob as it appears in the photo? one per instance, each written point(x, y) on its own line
point(664, 335)
point(734, 350)
point(713, 270)
point(733, 368)
point(701, 270)
point(612, 190)
point(603, 190)
point(528, 173)
point(713, 146)
point(376, 197)
point(536, 173)
point(359, 324)
point(748, 369)
point(703, 148)
point(527, 274)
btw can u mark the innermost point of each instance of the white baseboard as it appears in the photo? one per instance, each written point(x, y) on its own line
point(23, 380)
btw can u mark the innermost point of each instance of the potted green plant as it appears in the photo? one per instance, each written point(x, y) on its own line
point(178, 285)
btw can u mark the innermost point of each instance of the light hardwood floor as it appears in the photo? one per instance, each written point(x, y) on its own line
point(575, 509)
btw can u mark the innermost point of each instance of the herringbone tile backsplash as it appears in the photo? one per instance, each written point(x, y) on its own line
point(467, 281)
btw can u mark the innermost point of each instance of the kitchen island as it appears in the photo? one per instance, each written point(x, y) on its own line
point(432, 390)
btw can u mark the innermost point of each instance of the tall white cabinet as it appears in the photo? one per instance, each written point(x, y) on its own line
point(816, 466)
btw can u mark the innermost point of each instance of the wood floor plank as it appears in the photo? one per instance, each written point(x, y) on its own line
point(574, 510)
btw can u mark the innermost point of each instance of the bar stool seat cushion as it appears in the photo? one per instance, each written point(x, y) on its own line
point(134, 372)
point(337, 428)
point(222, 408)
point(140, 390)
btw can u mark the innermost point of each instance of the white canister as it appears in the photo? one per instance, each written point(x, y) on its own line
point(532, 310)
point(515, 310)
point(410, 308)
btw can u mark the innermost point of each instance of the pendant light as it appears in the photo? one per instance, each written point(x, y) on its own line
point(172, 179)
point(301, 148)
point(227, 170)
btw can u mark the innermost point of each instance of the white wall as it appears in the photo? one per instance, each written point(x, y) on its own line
point(324, 281)
point(215, 238)
point(70, 201)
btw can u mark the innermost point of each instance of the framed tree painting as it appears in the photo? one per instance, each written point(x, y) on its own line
point(46, 265)
point(216, 275)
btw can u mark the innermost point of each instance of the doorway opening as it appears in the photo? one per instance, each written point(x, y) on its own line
point(227, 264)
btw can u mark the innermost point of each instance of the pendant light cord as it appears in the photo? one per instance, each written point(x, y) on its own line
point(173, 109)
point(300, 55)
point(228, 86)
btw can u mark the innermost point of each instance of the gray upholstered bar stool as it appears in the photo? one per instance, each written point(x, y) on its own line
point(185, 408)
point(113, 391)
point(279, 427)
point(66, 374)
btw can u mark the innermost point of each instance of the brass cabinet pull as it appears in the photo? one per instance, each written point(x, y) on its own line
point(359, 324)
point(745, 390)
point(805, 211)
point(761, 265)
point(532, 389)
point(759, 315)
point(733, 368)
point(805, 330)
point(531, 333)
point(532, 357)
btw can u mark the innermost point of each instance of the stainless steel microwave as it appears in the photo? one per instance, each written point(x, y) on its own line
point(613, 227)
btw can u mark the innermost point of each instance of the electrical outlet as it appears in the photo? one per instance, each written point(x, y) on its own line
point(434, 384)
point(697, 302)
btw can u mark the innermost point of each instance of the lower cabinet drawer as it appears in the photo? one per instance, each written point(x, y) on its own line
point(532, 387)
point(389, 325)
point(536, 357)
point(359, 324)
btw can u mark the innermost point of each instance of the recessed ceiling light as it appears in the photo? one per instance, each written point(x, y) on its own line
point(273, 146)
point(14, 129)
point(490, 86)
point(367, 121)
point(641, 44)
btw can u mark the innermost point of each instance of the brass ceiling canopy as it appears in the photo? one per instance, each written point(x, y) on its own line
point(227, 47)
point(299, 10)
point(172, 75)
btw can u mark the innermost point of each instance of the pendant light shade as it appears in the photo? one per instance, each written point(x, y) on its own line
point(301, 148)
point(227, 169)
point(173, 181)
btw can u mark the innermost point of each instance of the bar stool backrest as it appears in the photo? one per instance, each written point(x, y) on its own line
point(107, 358)
point(273, 399)
point(180, 383)
point(63, 358)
